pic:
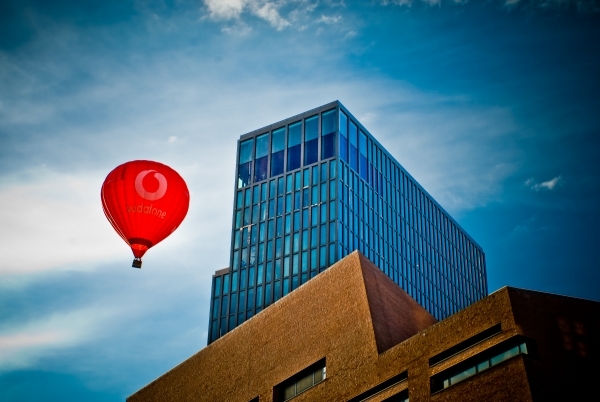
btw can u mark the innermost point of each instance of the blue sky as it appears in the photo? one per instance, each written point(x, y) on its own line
point(491, 105)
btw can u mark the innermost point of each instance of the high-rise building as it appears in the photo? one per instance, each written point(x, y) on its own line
point(314, 187)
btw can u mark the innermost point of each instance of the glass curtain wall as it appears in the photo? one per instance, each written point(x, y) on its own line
point(316, 188)
point(386, 215)
point(284, 223)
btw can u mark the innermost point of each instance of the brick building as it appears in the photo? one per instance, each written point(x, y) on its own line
point(351, 334)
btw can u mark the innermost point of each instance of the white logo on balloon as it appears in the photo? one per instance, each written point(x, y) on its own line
point(158, 194)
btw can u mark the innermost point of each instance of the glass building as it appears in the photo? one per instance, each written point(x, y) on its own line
point(311, 189)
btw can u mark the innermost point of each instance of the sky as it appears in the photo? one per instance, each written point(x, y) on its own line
point(493, 106)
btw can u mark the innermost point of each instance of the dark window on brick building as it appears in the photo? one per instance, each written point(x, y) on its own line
point(300, 382)
point(481, 362)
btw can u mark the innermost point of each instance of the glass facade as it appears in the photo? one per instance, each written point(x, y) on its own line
point(313, 188)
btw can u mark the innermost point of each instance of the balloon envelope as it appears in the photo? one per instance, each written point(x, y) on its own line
point(145, 202)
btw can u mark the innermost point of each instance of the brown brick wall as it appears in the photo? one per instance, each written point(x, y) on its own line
point(370, 330)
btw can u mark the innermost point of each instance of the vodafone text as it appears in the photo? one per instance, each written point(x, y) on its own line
point(146, 209)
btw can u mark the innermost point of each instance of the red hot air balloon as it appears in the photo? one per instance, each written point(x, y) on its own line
point(144, 201)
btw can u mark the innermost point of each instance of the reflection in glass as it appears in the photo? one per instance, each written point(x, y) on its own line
point(244, 162)
point(311, 140)
point(343, 136)
point(294, 146)
point(261, 157)
point(353, 150)
point(328, 122)
point(363, 163)
point(277, 151)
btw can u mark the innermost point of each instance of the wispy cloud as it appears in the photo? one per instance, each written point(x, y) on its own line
point(459, 153)
point(329, 19)
point(546, 185)
point(23, 345)
point(225, 9)
point(233, 9)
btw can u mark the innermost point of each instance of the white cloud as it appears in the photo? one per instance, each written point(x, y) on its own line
point(233, 9)
point(546, 185)
point(350, 34)
point(329, 20)
point(172, 139)
point(270, 13)
point(225, 9)
point(460, 154)
point(52, 220)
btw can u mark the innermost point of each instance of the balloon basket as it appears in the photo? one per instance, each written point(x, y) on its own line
point(137, 263)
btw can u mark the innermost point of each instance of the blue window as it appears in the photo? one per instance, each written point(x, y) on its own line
point(261, 252)
point(294, 146)
point(269, 272)
point(277, 289)
point(343, 136)
point(259, 296)
point(328, 134)
point(244, 163)
point(263, 211)
point(248, 200)
point(242, 301)
point(353, 157)
point(363, 163)
point(328, 122)
point(311, 140)
point(261, 158)
point(304, 263)
point(236, 239)
point(298, 180)
point(323, 257)
point(214, 330)
point(233, 303)
point(280, 186)
point(250, 299)
point(328, 146)
point(297, 200)
point(277, 151)
point(225, 306)
point(324, 169)
point(268, 294)
point(217, 286)
point(226, 283)
point(259, 274)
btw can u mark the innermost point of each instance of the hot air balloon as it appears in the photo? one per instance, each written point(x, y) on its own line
point(145, 202)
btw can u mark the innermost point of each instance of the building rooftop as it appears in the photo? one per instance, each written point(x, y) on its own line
point(357, 336)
